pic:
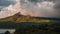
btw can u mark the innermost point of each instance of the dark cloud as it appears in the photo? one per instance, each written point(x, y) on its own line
point(50, 9)
point(57, 5)
point(6, 2)
point(40, 0)
point(33, 0)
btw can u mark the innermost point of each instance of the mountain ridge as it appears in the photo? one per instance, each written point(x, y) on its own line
point(21, 18)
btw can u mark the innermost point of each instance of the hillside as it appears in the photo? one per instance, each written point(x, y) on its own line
point(21, 18)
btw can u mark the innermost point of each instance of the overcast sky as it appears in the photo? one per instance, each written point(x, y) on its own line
point(37, 8)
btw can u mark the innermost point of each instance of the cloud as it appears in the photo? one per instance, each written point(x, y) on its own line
point(41, 8)
point(6, 2)
point(9, 10)
point(37, 8)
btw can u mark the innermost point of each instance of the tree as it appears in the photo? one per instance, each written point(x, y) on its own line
point(7, 32)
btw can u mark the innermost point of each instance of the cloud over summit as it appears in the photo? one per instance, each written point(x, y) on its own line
point(40, 8)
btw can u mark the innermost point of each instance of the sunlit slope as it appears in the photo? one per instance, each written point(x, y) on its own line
point(20, 18)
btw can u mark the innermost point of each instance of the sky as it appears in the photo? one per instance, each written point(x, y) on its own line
point(36, 8)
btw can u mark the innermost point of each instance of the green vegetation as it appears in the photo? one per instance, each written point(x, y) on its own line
point(49, 28)
point(32, 27)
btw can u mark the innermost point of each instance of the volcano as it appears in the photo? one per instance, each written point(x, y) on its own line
point(21, 18)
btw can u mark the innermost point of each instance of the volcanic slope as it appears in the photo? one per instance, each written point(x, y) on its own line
point(21, 18)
